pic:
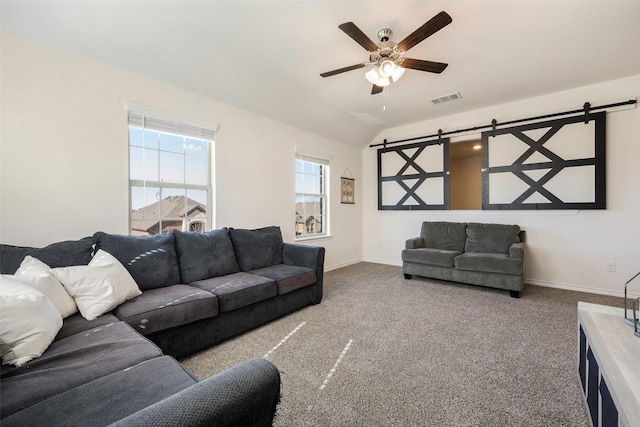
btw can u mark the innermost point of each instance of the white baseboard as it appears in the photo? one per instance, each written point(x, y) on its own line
point(566, 286)
point(577, 288)
point(383, 261)
point(342, 264)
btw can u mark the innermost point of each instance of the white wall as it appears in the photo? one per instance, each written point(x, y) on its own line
point(64, 154)
point(566, 249)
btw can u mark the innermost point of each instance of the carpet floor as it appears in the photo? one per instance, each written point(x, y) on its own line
point(384, 351)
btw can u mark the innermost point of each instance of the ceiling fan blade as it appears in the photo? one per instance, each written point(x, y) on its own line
point(435, 24)
point(356, 34)
point(419, 64)
point(376, 89)
point(343, 70)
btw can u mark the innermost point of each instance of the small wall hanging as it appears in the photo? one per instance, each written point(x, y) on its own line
point(347, 188)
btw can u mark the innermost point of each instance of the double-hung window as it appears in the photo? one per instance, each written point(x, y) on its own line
point(170, 173)
point(312, 201)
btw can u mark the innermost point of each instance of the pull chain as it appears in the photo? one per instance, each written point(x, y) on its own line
point(384, 94)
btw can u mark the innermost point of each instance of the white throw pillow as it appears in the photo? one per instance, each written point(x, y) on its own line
point(98, 287)
point(28, 322)
point(35, 273)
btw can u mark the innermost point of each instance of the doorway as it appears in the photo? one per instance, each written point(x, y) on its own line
point(465, 179)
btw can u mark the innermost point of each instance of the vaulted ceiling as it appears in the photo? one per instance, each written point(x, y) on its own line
point(266, 56)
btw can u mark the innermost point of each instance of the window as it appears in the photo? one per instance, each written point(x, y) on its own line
point(169, 173)
point(312, 210)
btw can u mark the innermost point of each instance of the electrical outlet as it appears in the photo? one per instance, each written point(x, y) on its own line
point(611, 267)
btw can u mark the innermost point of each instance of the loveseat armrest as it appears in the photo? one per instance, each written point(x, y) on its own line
point(516, 250)
point(414, 243)
point(246, 394)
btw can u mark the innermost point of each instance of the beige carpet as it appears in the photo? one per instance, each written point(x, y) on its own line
point(384, 351)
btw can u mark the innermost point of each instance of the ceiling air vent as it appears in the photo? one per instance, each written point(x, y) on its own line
point(446, 98)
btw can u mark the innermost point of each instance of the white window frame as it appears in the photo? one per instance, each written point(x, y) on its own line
point(159, 121)
point(323, 195)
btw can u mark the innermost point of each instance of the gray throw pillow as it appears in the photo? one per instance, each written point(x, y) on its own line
point(491, 238)
point(151, 260)
point(257, 248)
point(205, 255)
point(60, 254)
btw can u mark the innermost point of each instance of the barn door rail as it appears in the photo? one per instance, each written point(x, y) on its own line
point(586, 110)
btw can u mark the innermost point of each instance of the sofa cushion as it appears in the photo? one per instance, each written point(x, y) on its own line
point(129, 390)
point(151, 260)
point(238, 290)
point(61, 254)
point(288, 277)
point(449, 236)
point(76, 323)
point(257, 248)
point(163, 308)
point(439, 257)
point(491, 238)
point(29, 322)
point(205, 255)
point(492, 263)
point(73, 361)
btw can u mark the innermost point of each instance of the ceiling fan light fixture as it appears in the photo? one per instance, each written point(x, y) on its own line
point(383, 74)
point(387, 68)
point(397, 74)
point(383, 81)
point(373, 74)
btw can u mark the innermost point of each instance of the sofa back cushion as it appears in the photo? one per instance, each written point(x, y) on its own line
point(151, 260)
point(491, 238)
point(450, 236)
point(61, 254)
point(205, 255)
point(257, 248)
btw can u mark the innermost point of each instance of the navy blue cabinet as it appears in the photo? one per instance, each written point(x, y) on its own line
point(608, 366)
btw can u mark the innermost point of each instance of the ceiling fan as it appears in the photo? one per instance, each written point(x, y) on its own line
point(386, 56)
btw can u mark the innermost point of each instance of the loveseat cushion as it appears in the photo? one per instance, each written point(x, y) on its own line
point(257, 248)
point(73, 361)
point(492, 263)
point(163, 308)
point(428, 256)
point(109, 398)
point(288, 277)
point(205, 255)
point(151, 260)
point(61, 254)
point(491, 238)
point(238, 290)
point(449, 236)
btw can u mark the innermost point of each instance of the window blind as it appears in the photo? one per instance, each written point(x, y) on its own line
point(312, 158)
point(160, 121)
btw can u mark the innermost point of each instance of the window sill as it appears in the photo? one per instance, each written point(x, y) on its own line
point(305, 239)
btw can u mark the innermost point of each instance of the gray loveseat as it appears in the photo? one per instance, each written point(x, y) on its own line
point(198, 289)
point(490, 255)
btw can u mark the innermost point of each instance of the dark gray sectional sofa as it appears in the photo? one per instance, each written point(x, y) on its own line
point(490, 255)
point(197, 290)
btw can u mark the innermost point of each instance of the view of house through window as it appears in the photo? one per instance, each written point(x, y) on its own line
point(169, 177)
point(312, 177)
